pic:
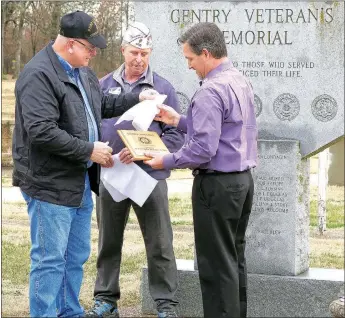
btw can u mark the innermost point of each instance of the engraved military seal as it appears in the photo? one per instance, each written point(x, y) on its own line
point(257, 105)
point(286, 106)
point(184, 102)
point(324, 108)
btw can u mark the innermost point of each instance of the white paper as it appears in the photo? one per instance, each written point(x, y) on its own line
point(127, 181)
point(143, 113)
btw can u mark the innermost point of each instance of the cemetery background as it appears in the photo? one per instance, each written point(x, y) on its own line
point(326, 251)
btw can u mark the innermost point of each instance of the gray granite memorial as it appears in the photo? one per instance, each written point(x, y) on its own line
point(293, 53)
point(278, 231)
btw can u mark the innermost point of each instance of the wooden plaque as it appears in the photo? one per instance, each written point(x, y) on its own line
point(139, 142)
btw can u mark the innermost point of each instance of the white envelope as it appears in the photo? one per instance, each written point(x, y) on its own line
point(142, 114)
point(127, 181)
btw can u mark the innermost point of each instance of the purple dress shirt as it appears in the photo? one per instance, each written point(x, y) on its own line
point(220, 125)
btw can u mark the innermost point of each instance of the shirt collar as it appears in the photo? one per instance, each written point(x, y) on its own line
point(220, 68)
point(142, 75)
point(69, 69)
point(148, 74)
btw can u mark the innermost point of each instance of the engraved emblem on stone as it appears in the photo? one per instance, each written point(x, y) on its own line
point(257, 105)
point(286, 106)
point(324, 108)
point(184, 102)
point(144, 140)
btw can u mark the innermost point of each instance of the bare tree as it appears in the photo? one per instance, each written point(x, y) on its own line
point(7, 17)
point(112, 19)
point(55, 20)
point(3, 25)
point(22, 7)
point(33, 31)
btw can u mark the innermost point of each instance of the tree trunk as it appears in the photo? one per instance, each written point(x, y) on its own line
point(3, 25)
point(33, 36)
point(19, 38)
point(56, 15)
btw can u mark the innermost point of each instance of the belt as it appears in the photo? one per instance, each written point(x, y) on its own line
point(209, 171)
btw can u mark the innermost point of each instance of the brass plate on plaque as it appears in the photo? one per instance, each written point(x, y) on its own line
point(139, 142)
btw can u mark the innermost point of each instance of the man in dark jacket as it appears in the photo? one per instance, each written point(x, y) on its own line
point(154, 219)
point(56, 156)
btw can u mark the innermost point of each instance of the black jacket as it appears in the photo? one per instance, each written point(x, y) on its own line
point(50, 139)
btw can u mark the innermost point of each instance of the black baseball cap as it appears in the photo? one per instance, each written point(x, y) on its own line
point(80, 25)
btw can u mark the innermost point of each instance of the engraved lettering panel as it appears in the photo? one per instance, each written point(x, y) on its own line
point(271, 233)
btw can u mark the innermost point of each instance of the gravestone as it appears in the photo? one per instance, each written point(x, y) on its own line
point(293, 53)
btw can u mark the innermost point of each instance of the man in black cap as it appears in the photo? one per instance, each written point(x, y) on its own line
point(56, 155)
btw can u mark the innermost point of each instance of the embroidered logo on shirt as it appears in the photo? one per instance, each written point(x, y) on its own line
point(115, 90)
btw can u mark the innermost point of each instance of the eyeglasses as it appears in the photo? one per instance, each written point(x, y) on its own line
point(90, 49)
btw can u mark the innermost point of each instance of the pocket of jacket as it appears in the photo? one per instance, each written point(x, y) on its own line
point(41, 168)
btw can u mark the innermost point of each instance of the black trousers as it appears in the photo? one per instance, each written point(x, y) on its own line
point(221, 208)
point(155, 225)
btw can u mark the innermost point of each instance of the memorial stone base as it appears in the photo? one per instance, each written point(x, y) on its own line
point(280, 282)
point(304, 295)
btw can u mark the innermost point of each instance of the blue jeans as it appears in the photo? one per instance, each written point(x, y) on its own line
point(60, 245)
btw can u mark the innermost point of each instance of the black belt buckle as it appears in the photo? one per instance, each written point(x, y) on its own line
point(199, 171)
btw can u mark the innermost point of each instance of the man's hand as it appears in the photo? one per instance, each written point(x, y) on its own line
point(168, 115)
point(156, 162)
point(147, 94)
point(102, 154)
point(109, 163)
point(125, 156)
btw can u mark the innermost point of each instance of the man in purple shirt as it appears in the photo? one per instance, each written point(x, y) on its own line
point(135, 75)
point(221, 147)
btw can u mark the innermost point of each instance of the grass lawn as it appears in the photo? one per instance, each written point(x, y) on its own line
point(326, 251)
point(334, 206)
point(181, 174)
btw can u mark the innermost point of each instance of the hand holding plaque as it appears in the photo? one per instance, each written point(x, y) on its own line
point(141, 142)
